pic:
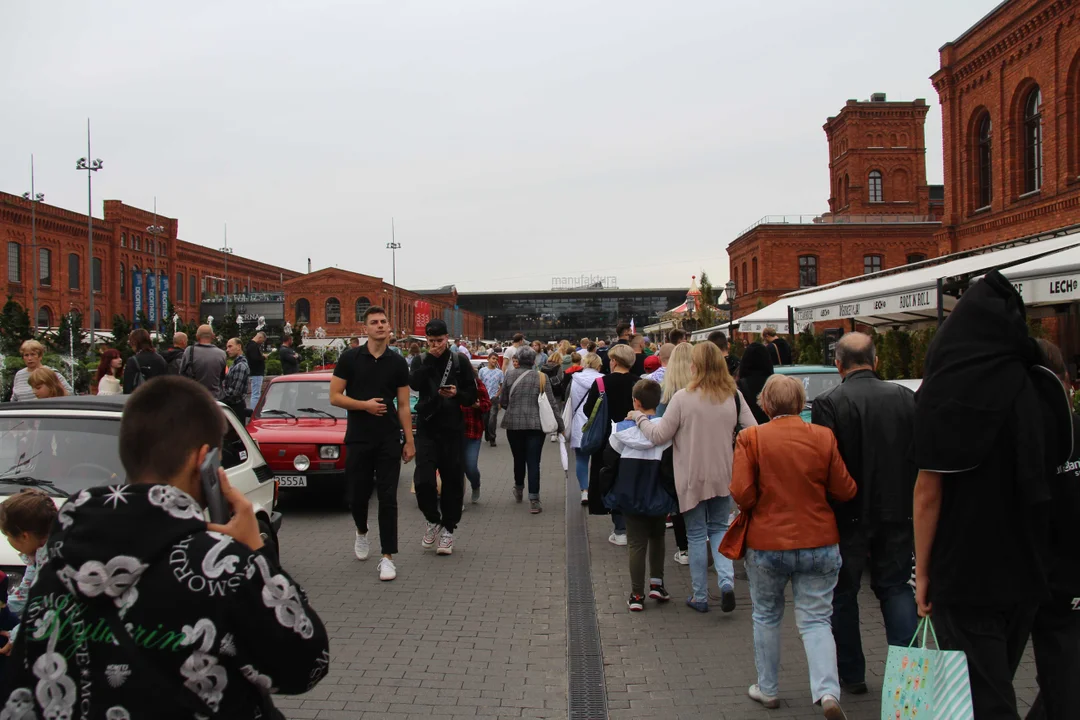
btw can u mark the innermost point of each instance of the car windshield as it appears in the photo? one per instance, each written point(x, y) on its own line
point(816, 383)
point(294, 397)
point(70, 454)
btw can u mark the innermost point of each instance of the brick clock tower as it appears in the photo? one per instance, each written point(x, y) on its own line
point(877, 158)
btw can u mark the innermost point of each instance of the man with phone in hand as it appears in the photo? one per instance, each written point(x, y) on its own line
point(189, 618)
point(367, 382)
point(446, 383)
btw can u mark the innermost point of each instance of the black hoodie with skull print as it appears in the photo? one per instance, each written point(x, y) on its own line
point(212, 627)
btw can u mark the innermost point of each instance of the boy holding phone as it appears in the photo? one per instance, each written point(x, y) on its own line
point(446, 383)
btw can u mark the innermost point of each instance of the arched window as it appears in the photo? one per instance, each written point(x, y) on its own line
point(983, 156)
point(746, 286)
point(73, 272)
point(123, 239)
point(138, 242)
point(179, 287)
point(871, 264)
point(333, 311)
point(95, 274)
point(847, 189)
point(362, 304)
point(1033, 160)
point(916, 257)
point(807, 271)
point(97, 319)
point(44, 267)
point(875, 194)
point(303, 311)
point(753, 266)
point(123, 280)
point(191, 288)
point(44, 317)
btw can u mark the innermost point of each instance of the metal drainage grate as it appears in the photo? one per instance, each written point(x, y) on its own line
point(587, 692)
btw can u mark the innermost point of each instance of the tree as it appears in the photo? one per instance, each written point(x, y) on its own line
point(121, 330)
point(706, 316)
point(14, 327)
point(69, 336)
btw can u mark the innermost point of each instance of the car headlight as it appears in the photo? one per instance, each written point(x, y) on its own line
point(329, 452)
point(301, 463)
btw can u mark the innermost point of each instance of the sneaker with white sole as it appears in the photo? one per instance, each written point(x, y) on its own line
point(682, 557)
point(756, 694)
point(362, 547)
point(830, 707)
point(446, 543)
point(475, 496)
point(430, 534)
point(615, 539)
point(387, 570)
point(584, 497)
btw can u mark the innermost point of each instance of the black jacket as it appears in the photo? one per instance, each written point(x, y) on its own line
point(211, 623)
point(432, 409)
point(873, 422)
point(172, 357)
point(780, 351)
point(290, 361)
point(146, 363)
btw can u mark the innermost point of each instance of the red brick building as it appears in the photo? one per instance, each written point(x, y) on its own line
point(881, 213)
point(127, 254)
point(1009, 89)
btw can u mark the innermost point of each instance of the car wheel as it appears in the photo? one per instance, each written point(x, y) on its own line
point(269, 539)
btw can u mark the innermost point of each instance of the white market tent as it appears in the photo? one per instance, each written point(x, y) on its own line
point(1048, 280)
point(774, 316)
point(911, 296)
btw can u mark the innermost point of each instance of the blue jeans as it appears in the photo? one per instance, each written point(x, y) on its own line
point(472, 456)
point(813, 573)
point(706, 524)
point(581, 465)
point(256, 390)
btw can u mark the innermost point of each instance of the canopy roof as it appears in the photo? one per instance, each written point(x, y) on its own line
point(1048, 280)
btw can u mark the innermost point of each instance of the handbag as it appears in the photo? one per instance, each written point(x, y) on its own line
point(594, 433)
point(548, 422)
point(567, 419)
point(733, 546)
point(924, 683)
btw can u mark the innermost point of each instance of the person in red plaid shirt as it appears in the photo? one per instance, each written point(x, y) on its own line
point(475, 418)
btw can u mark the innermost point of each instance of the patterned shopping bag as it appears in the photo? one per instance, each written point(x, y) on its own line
point(925, 684)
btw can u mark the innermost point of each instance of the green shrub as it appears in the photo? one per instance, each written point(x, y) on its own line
point(273, 364)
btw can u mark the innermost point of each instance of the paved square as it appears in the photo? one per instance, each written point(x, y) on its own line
point(483, 632)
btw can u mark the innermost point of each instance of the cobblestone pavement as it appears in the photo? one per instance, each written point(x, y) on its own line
point(483, 632)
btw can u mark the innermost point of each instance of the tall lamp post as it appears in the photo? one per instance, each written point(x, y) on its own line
point(34, 198)
point(91, 167)
point(226, 251)
point(729, 292)
point(155, 231)
point(393, 246)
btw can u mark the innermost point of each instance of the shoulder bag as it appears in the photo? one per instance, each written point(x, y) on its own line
point(548, 423)
point(738, 413)
point(733, 546)
point(594, 433)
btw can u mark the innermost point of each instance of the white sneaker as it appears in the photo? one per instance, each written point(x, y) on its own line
point(755, 694)
point(362, 547)
point(446, 543)
point(830, 707)
point(387, 571)
point(584, 497)
point(682, 557)
point(619, 540)
point(430, 534)
point(555, 438)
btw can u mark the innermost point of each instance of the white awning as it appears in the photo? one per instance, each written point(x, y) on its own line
point(904, 298)
point(774, 316)
point(1048, 280)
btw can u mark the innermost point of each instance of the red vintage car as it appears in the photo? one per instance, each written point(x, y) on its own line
point(301, 435)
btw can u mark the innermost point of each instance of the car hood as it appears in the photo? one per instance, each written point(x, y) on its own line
point(270, 431)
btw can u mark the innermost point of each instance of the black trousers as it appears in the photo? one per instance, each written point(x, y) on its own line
point(887, 555)
point(1056, 639)
point(370, 465)
point(440, 451)
point(679, 526)
point(993, 638)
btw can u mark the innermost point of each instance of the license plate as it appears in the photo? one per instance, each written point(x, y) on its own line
point(292, 480)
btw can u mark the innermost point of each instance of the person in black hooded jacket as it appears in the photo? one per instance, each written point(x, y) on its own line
point(143, 610)
point(755, 368)
point(990, 431)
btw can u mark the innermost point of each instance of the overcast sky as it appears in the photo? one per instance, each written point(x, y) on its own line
point(511, 141)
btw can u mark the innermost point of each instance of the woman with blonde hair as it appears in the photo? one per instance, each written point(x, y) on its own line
point(44, 384)
point(786, 472)
point(698, 420)
point(32, 354)
point(678, 374)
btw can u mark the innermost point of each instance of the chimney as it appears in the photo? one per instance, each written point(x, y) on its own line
point(877, 97)
point(309, 266)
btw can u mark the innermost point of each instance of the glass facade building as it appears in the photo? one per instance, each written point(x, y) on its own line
point(571, 314)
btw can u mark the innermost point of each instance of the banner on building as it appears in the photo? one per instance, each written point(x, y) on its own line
point(165, 298)
point(423, 316)
point(151, 299)
point(137, 294)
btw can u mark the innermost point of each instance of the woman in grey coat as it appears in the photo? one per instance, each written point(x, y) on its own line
point(520, 400)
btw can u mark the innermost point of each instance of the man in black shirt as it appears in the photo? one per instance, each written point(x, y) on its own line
point(778, 347)
point(367, 380)
point(290, 361)
point(257, 362)
point(719, 339)
point(622, 331)
point(446, 383)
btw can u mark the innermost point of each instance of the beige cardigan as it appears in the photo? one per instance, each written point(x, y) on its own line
point(701, 432)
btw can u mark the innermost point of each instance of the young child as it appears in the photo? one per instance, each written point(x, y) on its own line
point(639, 490)
point(26, 520)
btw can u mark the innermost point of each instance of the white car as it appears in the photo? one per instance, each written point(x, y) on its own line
point(65, 445)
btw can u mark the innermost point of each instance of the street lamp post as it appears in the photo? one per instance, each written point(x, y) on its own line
point(155, 231)
point(34, 198)
point(393, 246)
point(226, 251)
point(91, 167)
point(730, 293)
